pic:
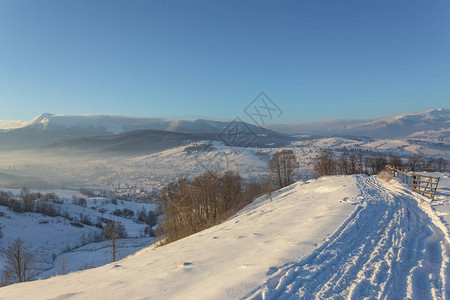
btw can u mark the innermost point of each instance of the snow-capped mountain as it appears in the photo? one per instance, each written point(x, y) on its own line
point(67, 130)
point(391, 127)
point(115, 124)
point(110, 133)
point(107, 123)
point(398, 126)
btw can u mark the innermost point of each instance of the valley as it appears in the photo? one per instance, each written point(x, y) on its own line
point(123, 172)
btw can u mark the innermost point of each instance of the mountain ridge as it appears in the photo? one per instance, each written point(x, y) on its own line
point(388, 127)
point(59, 129)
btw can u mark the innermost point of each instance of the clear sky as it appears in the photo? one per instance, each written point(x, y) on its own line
point(316, 59)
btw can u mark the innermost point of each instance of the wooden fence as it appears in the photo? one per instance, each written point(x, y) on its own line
point(422, 184)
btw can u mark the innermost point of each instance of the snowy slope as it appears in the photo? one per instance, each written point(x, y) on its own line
point(52, 238)
point(347, 236)
point(432, 135)
point(232, 257)
point(390, 249)
point(391, 127)
point(45, 236)
point(252, 162)
point(10, 124)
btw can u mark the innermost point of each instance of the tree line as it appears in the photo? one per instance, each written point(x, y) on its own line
point(327, 163)
point(191, 205)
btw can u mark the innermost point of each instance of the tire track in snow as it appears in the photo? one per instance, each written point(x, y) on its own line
point(387, 249)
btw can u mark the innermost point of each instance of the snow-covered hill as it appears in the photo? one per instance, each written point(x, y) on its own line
point(391, 127)
point(157, 169)
point(341, 236)
point(74, 234)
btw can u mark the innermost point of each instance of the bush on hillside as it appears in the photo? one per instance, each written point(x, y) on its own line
point(385, 176)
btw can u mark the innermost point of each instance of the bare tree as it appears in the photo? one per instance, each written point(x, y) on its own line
point(441, 164)
point(112, 232)
point(344, 164)
point(325, 163)
point(361, 166)
point(24, 192)
point(395, 161)
point(19, 264)
point(353, 167)
point(267, 187)
point(230, 189)
point(376, 163)
point(62, 263)
point(283, 165)
point(415, 162)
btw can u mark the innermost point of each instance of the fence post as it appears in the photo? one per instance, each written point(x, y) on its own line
point(418, 183)
point(435, 188)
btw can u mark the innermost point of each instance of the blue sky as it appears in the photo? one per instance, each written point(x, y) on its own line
point(317, 60)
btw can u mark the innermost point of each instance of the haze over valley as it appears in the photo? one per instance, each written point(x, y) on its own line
point(106, 151)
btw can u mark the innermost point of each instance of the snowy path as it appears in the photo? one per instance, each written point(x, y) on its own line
point(387, 249)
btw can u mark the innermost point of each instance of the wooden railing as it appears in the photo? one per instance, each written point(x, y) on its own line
point(422, 184)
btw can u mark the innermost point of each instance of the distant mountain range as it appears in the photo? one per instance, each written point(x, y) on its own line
point(433, 124)
point(131, 135)
point(124, 134)
point(115, 124)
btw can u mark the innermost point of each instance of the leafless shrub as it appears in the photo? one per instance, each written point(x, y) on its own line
point(385, 176)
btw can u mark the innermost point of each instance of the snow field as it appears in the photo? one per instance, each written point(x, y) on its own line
point(53, 239)
point(389, 248)
point(337, 237)
point(224, 262)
